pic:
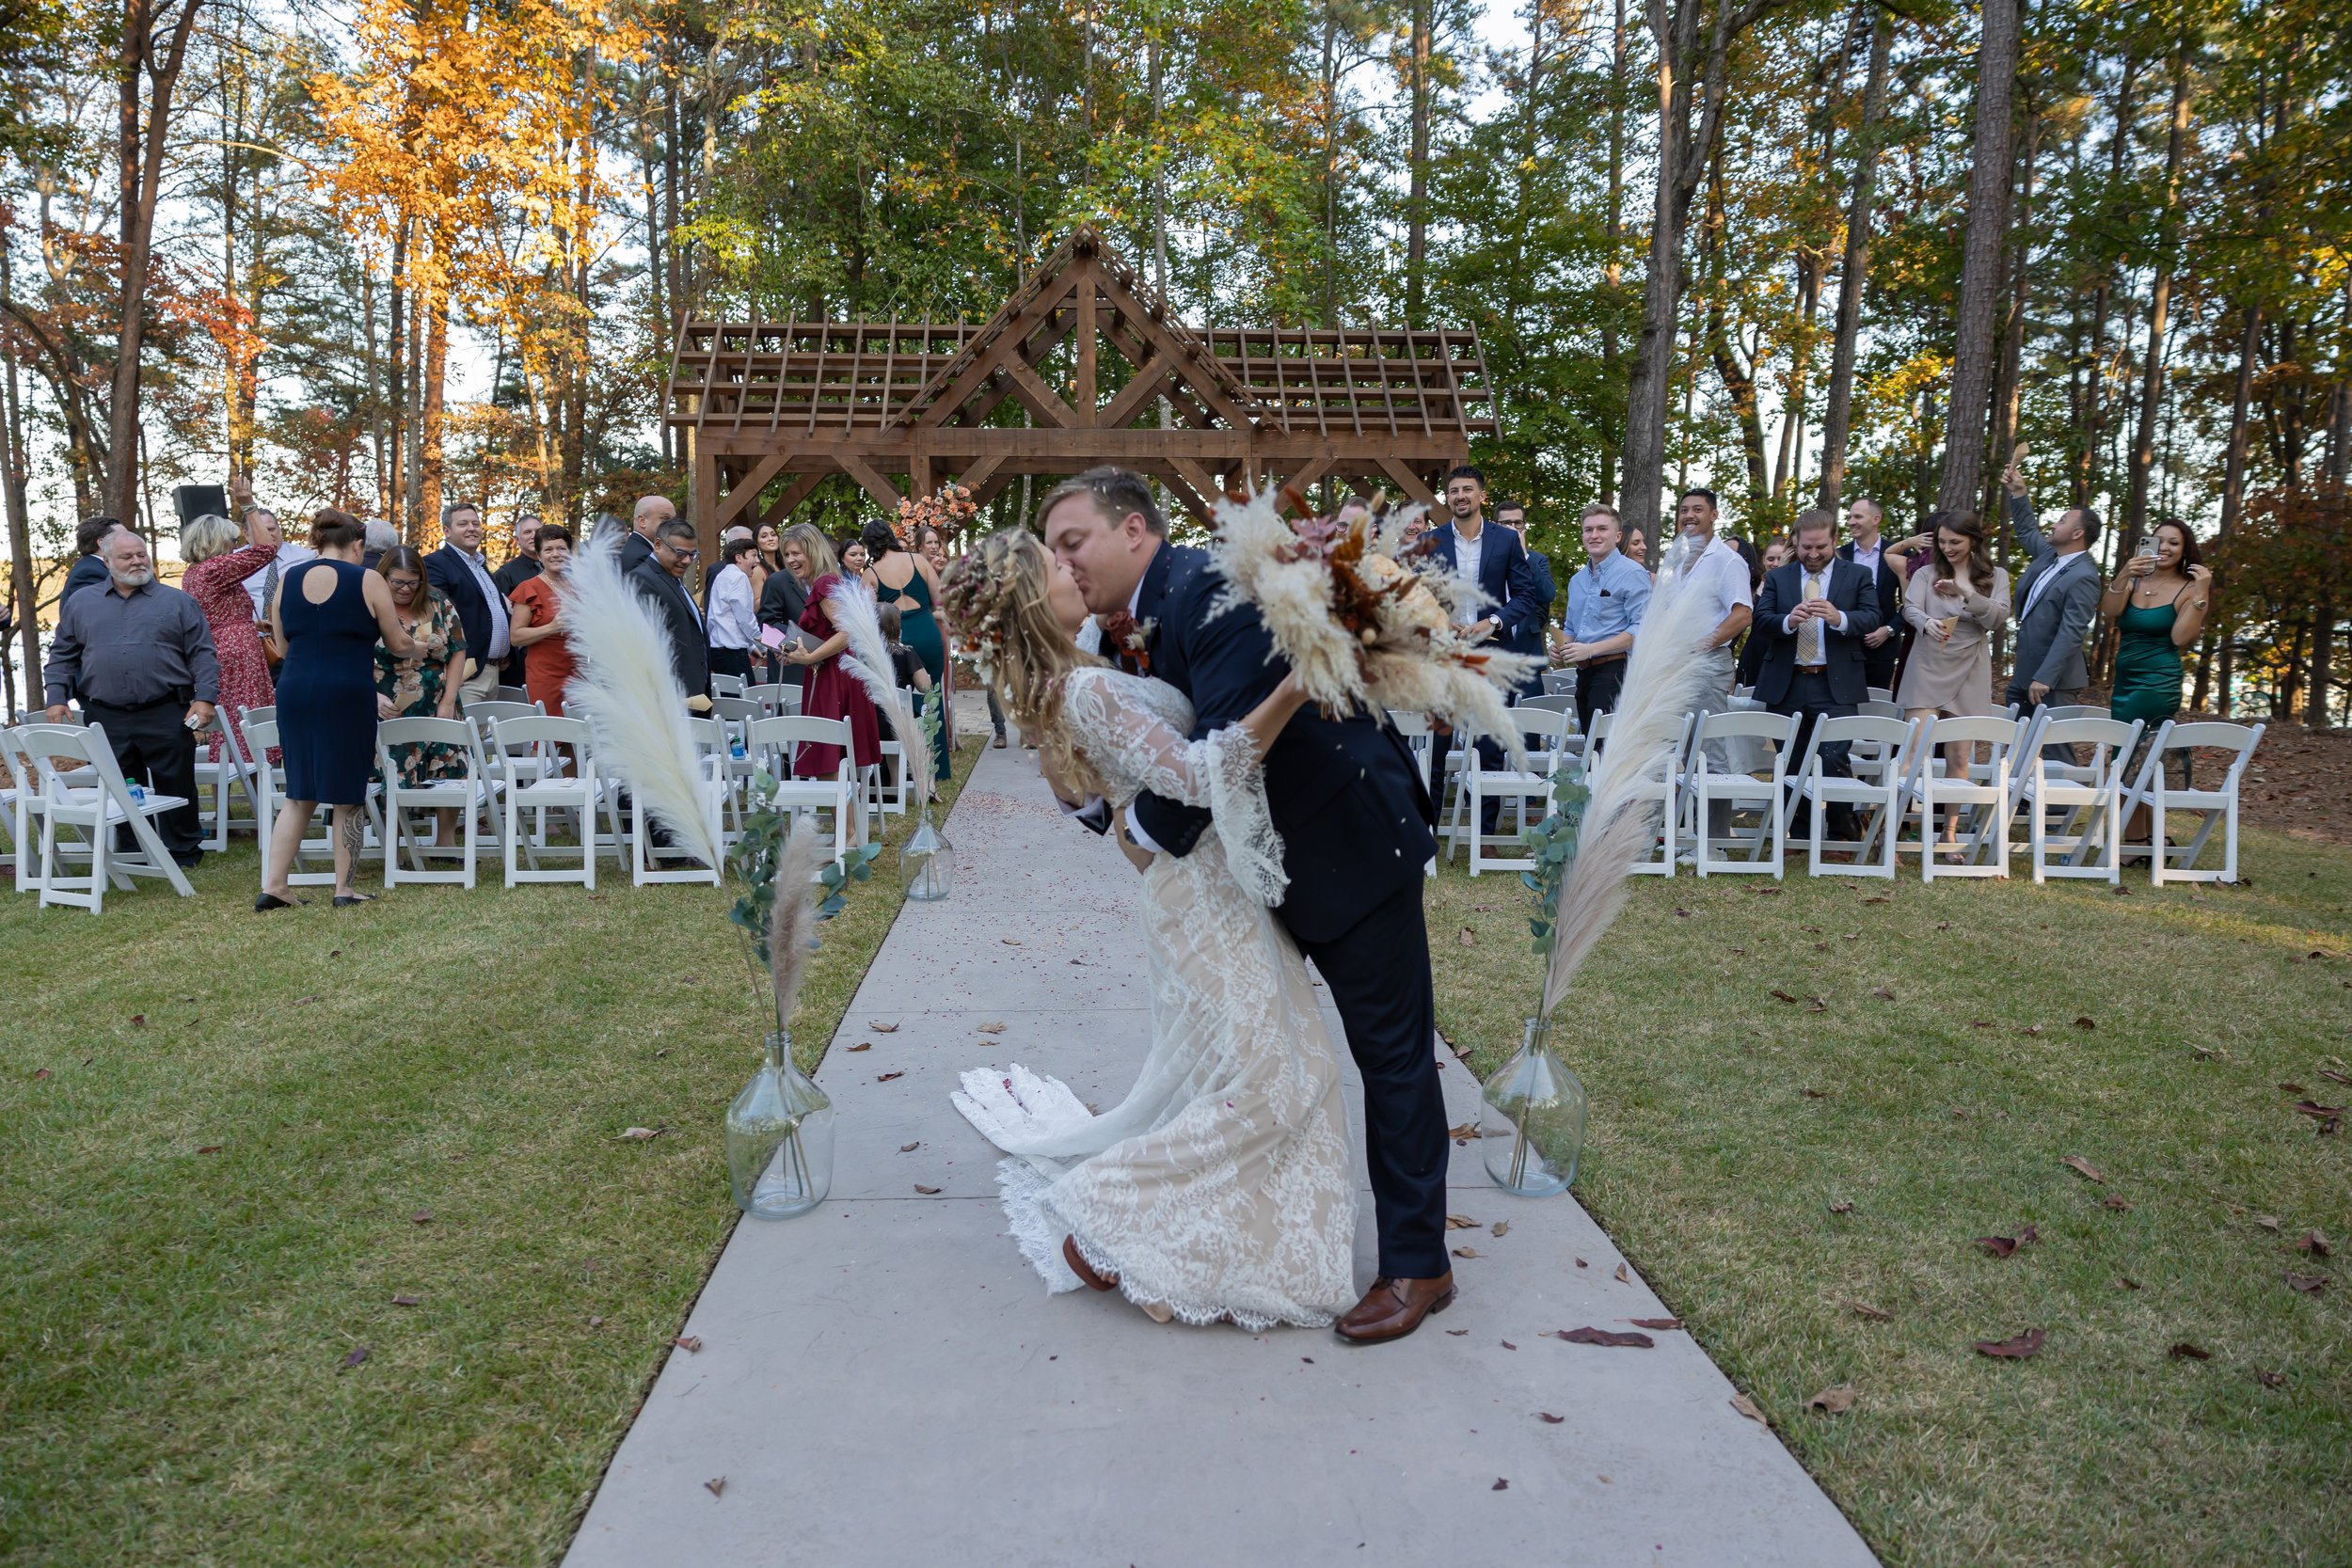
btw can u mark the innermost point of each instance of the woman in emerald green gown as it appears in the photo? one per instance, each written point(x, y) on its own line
point(2157, 605)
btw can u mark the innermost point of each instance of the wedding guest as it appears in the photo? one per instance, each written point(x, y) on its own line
point(1636, 549)
point(733, 616)
point(138, 657)
point(931, 542)
point(828, 690)
point(1956, 603)
point(710, 578)
point(1529, 637)
point(325, 623)
point(380, 536)
point(1607, 597)
point(1865, 547)
point(1496, 563)
point(1813, 615)
point(424, 683)
point(89, 568)
point(904, 579)
point(263, 529)
point(524, 564)
point(538, 622)
point(2158, 607)
point(662, 580)
point(856, 560)
point(771, 545)
point(931, 545)
point(459, 572)
point(650, 513)
point(1777, 553)
point(1717, 571)
point(218, 563)
point(906, 666)
point(805, 555)
point(2056, 598)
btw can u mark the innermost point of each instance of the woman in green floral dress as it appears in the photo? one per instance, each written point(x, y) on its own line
point(425, 687)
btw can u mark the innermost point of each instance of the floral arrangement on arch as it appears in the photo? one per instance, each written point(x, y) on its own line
point(950, 511)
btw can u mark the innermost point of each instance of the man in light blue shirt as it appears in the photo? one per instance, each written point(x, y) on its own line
point(1606, 600)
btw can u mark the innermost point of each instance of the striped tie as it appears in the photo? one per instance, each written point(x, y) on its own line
point(1809, 634)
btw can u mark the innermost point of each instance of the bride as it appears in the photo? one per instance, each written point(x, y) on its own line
point(1222, 1187)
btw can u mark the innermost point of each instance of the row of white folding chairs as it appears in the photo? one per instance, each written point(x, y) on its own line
point(64, 803)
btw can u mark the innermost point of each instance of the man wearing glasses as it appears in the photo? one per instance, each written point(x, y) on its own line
point(662, 577)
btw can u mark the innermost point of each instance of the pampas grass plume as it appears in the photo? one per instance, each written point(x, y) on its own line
point(851, 605)
point(792, 919)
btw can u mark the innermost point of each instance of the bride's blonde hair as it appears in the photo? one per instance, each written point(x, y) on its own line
point(995, 598)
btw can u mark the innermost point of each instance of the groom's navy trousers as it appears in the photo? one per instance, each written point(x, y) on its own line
point(1355, 824)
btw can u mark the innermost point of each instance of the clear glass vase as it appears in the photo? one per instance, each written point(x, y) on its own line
point(779, 1139)
point(927, 862)
point(1532, 1128)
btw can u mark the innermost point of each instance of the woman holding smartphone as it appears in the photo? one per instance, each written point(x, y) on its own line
point(2157, 605)
point(1955, 602)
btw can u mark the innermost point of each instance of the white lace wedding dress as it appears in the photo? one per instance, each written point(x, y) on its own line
point(1222, 1185)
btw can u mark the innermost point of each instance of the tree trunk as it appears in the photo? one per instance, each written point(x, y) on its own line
point(1417, 172)
point(2087, 464)
point(429, 499)
point(22, 592)
point(396, 509)
point(2233, 497)
point(1684, 150)
point(139, 154)
point(2142, 461)
point(2008, 371)
point(1613, 271)
point(1983, 254)
point(2324, 613)
point(1837, 419)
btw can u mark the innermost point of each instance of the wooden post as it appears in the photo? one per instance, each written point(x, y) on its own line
point(702, 505)
point(1089, 405)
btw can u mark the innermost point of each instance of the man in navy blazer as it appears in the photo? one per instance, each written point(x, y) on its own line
point(1867, 549)
point(1354, 818)
point(1494, 559)
point(1530, 637)
point(458, 570)
point(1813, 615)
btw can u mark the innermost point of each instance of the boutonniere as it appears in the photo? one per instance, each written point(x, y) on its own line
point(1130, 637)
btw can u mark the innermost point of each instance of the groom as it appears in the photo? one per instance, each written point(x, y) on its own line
point(1355, 826)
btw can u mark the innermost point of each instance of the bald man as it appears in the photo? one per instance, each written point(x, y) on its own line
point(652, 511)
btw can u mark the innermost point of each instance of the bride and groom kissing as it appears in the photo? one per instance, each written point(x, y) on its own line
point(1270, 836)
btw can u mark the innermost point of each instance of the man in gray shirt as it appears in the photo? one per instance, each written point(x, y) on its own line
point(2056, 598)
point(139, 657)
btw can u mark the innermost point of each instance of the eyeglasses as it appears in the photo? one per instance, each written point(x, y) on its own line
point(682, 555)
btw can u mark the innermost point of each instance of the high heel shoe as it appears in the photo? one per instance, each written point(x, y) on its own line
point(1084, 1271)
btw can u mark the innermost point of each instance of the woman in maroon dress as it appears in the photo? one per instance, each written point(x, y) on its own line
point(832, 692)
point(219, 564)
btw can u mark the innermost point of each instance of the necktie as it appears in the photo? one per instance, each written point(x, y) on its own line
point(1810, 634)
point(269, 589)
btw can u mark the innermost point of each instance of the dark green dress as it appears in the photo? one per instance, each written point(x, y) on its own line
point(2147, 665)
point(918, 628)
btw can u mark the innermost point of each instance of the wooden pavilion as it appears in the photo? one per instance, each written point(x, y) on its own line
point(1091, 353)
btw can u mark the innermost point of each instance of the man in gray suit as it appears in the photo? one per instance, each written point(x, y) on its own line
point(2056, 600)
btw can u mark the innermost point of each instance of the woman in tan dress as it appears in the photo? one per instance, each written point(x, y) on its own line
point(1955, 601)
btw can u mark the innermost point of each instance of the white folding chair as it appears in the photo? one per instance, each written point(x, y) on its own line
point(1877, 708)
point(1661, 781)
point(1413, 729)
point(27, 805)
point(467, 795)
point(2177, 863)
point(1706, 786)
point(775, 742)
point(1541, 730)
point(1558, 702)
point(1560, 680)
point(91, 796)
point(529, 752)
point(482, 715)
point(1880, 753)
point(1983, 786)
point(726, 685)
point(2089, 793)
point(778, 698)
point(507, 694)
point(1878, 694)
point(735, 766)
point(219, 784)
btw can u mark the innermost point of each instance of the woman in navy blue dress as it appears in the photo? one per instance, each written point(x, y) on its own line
point(324, 623)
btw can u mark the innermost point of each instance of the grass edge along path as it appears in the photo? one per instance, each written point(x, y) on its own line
point(323, 1240)
point(1810, 1098)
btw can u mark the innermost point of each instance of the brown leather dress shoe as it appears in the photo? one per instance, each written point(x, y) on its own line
point(1084, 1271)
point(1393, 1308)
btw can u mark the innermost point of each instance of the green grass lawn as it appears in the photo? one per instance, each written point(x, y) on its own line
point(1729, 1128)
point(233, 1140)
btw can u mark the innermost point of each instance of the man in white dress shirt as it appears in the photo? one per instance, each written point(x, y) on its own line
point(458, 570)
point(261, 529)
point(1718, 569)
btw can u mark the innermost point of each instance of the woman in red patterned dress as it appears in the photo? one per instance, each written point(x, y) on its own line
point(219, 564)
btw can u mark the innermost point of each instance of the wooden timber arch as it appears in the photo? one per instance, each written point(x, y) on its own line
point(1090, 352)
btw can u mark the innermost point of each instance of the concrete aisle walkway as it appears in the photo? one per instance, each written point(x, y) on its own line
point(885, 1382)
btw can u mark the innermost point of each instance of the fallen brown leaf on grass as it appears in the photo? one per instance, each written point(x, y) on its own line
point(2125, 1282)
point(2030, 1029)
point(1832, 1401)
point(2002, 1246)
point(2016, 1348)
point(690, 1343)
point(2291, 1089)
point(1843, 1206)
point(638, 1134)
point(357, 1354)
point(995, 1028)
point(1882, 993)
point(1815, 1094)
point(884, 1028)
point(407, 1301)
point(886, 1077)
point(2270, 1380)
point(1746, 1406)
point(927, 1192)
point(2309, 1284)
point(2084, 1168)
point(214, 1149)
point(1943, 924)
point(1780, 995)
point(2268, 1222)
point(1548, 1419)
point(422, 1216)
point(1605, 1338)
point(2314, 1243)
point(715, 1485)
point(2334, 1077)
point(2121, 1205)
point(1468, 937)
point(2183, 1350)
point(596, 1322)
point(2086, 1023)
point(1876, 1314)
point(1654, 1322)
point(39, 1073)
point(139, 1020)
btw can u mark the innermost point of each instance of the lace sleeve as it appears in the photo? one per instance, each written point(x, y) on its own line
point(1137, 750)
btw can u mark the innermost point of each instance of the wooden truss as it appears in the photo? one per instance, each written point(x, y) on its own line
point(1104, 373)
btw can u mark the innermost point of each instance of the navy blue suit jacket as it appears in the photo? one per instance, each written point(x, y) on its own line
point(1851, 589)
point(447, 570)
point(1344, 793)
point(1890, 585)
point(1507, 577)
